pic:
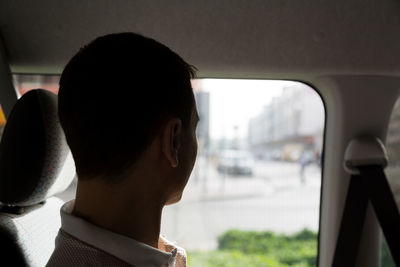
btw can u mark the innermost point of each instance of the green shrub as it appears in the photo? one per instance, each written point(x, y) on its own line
point(386, 256)
point(232, 258)
point(293, 249)
point(251, 248)
point(259, 249)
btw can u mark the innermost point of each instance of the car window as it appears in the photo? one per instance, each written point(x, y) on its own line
point(392, 172)
point(253, 198)
point(2, 121)
point(254, 194)
point(24, 83)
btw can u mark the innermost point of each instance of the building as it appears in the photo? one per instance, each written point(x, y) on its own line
point(203, 128)
point(292, 122)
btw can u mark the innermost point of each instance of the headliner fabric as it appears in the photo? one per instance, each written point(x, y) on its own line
point(282, 39)
point(33, 151)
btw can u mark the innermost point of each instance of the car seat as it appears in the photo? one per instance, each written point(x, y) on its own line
point(35, 164)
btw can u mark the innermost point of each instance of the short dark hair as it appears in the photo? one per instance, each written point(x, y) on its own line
point(115, 94)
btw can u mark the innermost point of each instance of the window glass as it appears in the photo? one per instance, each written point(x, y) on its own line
point(2, 121)
point(253, 196)
point(386, 256)
point(392, 172)
point(24, 83)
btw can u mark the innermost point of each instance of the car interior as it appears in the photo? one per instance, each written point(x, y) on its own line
point(345, 52)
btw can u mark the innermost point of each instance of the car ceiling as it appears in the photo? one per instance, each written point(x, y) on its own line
point(224, 38)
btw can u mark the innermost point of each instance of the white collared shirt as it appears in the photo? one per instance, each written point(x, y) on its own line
point(122, 247)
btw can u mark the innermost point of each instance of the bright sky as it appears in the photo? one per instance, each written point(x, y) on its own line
point(233, 102)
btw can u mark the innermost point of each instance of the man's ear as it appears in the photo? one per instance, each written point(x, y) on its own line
point(171, 141)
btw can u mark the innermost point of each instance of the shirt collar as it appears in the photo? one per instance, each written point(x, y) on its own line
point(127, 249)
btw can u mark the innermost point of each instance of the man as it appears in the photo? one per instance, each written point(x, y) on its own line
point(129, 115)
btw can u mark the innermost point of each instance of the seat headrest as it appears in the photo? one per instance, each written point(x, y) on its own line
point(33, 152)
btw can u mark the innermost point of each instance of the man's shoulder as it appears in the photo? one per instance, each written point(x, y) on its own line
point(70, 251)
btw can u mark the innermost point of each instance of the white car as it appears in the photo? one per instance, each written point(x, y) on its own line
point(236, 162)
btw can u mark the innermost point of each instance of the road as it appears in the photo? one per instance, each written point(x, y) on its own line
point(273, 199)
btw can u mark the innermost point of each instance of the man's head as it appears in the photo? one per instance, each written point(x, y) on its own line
point(117, 96)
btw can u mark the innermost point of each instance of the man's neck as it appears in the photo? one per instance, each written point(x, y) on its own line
point(135, 215)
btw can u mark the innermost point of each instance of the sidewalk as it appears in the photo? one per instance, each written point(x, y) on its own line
point(231, 188)
point(207, 184)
